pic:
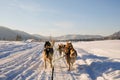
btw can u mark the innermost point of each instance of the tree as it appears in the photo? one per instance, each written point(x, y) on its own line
point(18, 38)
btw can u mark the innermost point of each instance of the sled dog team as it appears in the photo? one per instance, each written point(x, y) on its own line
point(67, 49)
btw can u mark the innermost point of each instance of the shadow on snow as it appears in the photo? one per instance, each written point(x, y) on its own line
point(96, 68)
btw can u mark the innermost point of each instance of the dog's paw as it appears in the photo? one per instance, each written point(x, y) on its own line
point(68, 69)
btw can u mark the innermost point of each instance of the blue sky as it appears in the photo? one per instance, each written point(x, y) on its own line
point(61, 17)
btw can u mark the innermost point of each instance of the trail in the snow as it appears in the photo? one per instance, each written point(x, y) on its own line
point(14, 49)
point(61, 70)
point(19, 63)
point(25, 62)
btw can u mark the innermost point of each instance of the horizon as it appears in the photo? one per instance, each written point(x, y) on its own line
point(60, 35)
point(58, 18)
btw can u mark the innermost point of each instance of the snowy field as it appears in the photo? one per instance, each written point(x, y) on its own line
point(97, 60)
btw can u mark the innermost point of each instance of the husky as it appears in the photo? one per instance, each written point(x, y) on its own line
point(70, 55)
point(48, 54)
point(61, 48)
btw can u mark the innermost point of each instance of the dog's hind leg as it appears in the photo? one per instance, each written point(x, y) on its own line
point(68, 62)
point(51, 63)
point(69, 66)
point(45, 66)
point(60, 53)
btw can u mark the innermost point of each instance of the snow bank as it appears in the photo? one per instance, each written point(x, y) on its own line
point(108, 48)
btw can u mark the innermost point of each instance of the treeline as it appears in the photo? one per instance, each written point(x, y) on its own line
point(92, 39)
point(78, 40)
point(20, 38)
point(17, 38)
point(112, 38)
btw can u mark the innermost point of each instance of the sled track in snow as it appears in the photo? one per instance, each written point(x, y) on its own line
point(15, 68)
point(25, 63)
point(60, 66)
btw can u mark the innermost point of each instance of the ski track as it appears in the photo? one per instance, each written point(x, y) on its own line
point(24, 61)
point(11, 49)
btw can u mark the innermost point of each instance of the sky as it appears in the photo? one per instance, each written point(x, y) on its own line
point(61, 17)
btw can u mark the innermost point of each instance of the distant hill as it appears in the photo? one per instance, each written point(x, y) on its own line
point(115, 35)
point(78, 37)
point(9, 34)
point(40, 37)
point(23, 34)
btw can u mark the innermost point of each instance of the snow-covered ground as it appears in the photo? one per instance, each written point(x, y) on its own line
point(109, 48)
point(97, 60)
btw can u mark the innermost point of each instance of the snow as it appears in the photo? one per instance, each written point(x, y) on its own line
point(97, 60)
point(109, 48)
